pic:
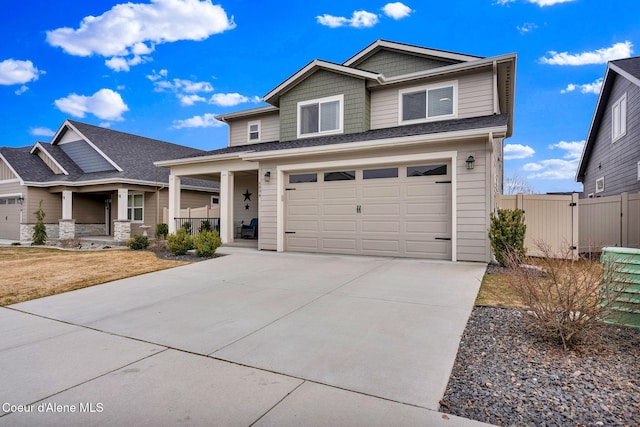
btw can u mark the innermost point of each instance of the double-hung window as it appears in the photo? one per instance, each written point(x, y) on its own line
point(320, 116)
point(135, 207)
point(619, 118)
point(253, 129)
point(428, 103)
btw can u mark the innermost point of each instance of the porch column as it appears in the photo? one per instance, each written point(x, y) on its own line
point(226, 206)
point(67, 225)
point(122, 225)
point(174, 202)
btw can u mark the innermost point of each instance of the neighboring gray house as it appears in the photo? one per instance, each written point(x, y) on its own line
point(610, 162)
point(395, 152)
point(91, 181)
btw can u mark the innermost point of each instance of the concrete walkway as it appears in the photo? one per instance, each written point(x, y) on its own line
point(252, 338)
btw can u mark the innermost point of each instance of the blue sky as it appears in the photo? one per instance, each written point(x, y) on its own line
point(164, 68)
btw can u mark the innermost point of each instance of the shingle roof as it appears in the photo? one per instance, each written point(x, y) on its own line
point(630, 65)
point(132, 153)
point(428, 128)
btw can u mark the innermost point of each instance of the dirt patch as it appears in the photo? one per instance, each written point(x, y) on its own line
point(39, 272)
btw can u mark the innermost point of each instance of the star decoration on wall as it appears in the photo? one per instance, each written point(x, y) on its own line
point(247, 195)
point(246, 206)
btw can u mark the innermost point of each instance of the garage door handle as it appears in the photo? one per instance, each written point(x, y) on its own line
point(443, 182)
point(289, 232)
point(443, 238)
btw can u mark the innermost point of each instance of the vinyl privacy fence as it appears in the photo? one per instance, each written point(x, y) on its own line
point(584, 225)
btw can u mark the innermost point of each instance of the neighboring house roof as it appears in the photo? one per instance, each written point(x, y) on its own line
point(496, 122)
point(127, 158)
point(629, 69)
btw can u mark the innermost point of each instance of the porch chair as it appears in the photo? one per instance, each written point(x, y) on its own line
point(250, 231)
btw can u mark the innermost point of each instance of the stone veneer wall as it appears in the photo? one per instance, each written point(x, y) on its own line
point(26, 232)
point(90, 230)
point(121, 230)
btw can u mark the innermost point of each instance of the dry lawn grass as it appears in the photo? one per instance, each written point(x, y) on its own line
point(497, 290)
point(30, 273)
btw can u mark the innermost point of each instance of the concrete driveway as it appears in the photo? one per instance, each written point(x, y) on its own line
point(250, 338)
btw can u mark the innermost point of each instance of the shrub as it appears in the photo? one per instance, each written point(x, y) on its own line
point(138, 242)
point(162, 230)
point(180, 243)
point(205, 226)
point(564, 299)
point(506, 234)
point(206, 243)
point(15, 243)
point(187, 227)
point(39, 229)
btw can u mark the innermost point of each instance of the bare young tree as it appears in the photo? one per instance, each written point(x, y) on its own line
point(516, 183)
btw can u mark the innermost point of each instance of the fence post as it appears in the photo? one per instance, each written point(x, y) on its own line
point(624, 222)
point(575, 226)
point(520, 201)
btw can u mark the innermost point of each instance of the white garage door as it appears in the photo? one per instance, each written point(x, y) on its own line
point(395, 210)
point(9, 218)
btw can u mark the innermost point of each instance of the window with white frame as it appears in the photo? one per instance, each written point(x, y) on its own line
point(619, 118)
point(253, 130)
point(600, 185)
point(135, 207)
point(320, 116)
point(428, 103)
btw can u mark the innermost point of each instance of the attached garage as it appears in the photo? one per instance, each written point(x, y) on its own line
point(402, 210)
point(10, 217)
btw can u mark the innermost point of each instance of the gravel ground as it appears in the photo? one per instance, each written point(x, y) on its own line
point(504, 375)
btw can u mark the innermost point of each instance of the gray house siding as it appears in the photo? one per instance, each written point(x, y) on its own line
point(617, 162)
point(395, 63)
point(322, 84)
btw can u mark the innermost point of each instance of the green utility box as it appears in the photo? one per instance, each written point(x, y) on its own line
point(625, 263)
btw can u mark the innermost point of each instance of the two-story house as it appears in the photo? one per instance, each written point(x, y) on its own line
point(395, 152)
point(610, 162)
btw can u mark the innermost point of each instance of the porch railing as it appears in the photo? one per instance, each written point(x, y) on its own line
point(194, 226)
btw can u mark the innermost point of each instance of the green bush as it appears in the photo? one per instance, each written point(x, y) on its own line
point(187, 227)
point(507, 234)
point(138, 242)
point(206, 243)
point(205, 225)
point(162, 230)
point(39, 229)
point(180, 243)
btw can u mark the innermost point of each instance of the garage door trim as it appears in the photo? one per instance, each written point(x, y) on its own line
point(282, 170)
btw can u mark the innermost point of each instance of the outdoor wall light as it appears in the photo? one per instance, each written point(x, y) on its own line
point(20, 200)
point(267, 176)
point(470, 162)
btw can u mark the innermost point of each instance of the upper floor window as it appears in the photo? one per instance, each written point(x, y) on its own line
point(619, 118)
point(428, 103)
point(135, 207)
point(320, 116)
point(253, 129)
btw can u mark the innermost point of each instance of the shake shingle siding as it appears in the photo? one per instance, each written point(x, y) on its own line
point(323, 84)
point(617, 162)
point(394, 63)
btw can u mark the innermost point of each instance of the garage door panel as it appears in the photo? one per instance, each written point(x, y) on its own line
point(339, 244)
point(386, 191)
point(427, 209)
point(299, 194)
point(339, 226)
point(329, 194)
point(304, 210)
point(391, 247)
point(302, 243)
point(433, 250)
point(342, 210)
point(440, 228)
point(380, 226)
point(381, 209)
point(426, 189)
point(302, 225)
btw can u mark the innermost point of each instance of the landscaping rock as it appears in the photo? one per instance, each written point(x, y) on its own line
point(505, 375)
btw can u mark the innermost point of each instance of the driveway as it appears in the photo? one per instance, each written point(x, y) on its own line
point(249, 338)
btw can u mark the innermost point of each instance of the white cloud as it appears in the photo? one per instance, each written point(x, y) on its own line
point(573, 149)
point(585, 88)
point(22, 90)
point(564, 168)
point(104, 104)
point(188, 100)
point(517, 151)
point(527, 27)
point(543, 3)
point(503, 2)
point(41, 131)
point(124, 64)
point(130, 30)
point(205, 121)
point(157, 75)
point(15, 72)
point(599, 56)
point(396, 10)
point(231, 99)
point(359, 19)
